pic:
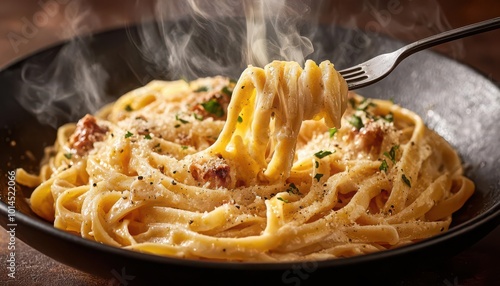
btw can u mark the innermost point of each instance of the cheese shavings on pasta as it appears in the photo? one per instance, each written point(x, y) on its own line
point(282, 165)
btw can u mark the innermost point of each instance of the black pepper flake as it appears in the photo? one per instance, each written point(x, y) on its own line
point(140, 178)
point(174, 182)
point(94, 185)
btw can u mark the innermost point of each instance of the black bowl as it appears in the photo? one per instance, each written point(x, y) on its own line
point(456, 101)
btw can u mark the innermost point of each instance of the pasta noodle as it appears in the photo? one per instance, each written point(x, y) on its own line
point(283, 165)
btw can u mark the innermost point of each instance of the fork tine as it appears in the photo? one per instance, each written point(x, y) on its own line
point(350, 70)
point(353, 74)
point(358, 78)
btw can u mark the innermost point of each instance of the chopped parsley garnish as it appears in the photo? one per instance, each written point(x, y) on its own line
point(318, 176)
point(180, 119)
point(128, 107)
point(227, 91)
point(68, 155)
point(184, 147)
point(316, 164)
point(332, 131)
point(352, 101)
point(128, 134)
point(240, 119)
point(201, 89)
point(147, 136)
point(357, 122)
point(406, 180)
point(292, 189)
point(384, 167)
point(392, 153)
point(365, 104)
point(177, 125)
point(213, 106)
point(322, 154)
point(282, 199)
point(198, 117)
point(389, 117)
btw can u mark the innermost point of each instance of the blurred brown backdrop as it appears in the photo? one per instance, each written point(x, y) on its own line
point(28, 25)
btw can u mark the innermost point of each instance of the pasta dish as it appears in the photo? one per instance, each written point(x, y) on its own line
point(282, 165)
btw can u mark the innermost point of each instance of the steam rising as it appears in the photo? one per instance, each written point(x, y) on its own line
point(198, 38)
point(204, 38)
point(69, 85)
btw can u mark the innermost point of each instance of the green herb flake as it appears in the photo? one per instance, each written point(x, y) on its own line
point(332, 131)
point(406, 180)
point(292, 189)
point(128, 134)
point(383, 166)
point(389, 117)
point(177, 125)
point(68, 155)
point(147, 137)
point(213, 106)
point(180, 119)
point(282, 199)
point(184, 147)
point(357, 122)
point(128, 108)
point(227, 91)
point(201, 89)
point(318, 176)
point(240, 119)
point(352, 101)
point(198, 117)
point(392, 153)
point(365, 104)
point(322, 154)
point(316, 164)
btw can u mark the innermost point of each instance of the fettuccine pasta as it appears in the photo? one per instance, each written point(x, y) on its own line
point(283, 165)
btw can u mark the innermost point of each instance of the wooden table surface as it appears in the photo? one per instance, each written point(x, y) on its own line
point(477, 265)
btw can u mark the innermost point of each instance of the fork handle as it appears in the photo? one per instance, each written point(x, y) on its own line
point(450, 35)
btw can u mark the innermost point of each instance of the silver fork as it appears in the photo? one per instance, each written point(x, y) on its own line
point(380, 66)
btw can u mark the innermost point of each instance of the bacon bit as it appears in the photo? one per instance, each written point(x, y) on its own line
point(216, 173)
point(86, 133)
point(369, 139)
point(220, 97)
